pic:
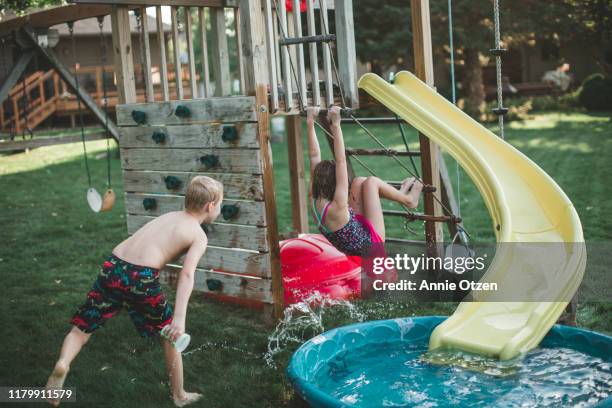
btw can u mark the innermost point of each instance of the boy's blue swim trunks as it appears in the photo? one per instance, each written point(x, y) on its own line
point(121, 284)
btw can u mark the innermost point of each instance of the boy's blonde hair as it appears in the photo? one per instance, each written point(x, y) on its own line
point(201, 191)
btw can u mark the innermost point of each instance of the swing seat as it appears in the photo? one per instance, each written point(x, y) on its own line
point(98, 203)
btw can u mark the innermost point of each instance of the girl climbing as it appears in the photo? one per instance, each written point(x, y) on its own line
point(349, 212)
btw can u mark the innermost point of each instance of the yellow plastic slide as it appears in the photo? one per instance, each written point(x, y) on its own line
point(527, 208)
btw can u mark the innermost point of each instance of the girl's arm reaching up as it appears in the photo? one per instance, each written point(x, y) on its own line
point(314, 153)
point(342, 182)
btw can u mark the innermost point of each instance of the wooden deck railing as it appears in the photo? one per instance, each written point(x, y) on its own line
point(47, 94)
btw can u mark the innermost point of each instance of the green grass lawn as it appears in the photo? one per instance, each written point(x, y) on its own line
point(52, 246)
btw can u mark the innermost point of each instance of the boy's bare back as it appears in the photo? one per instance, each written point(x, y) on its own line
point(162, 240)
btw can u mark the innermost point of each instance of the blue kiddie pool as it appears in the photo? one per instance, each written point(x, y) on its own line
point(386, 364)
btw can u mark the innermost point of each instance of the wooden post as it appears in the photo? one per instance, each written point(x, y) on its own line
point(205, 74)
point(16, 117)
point(255, 80)
point(283, 32)
point(314, 64)
point(345, 44)
point(99, 85)
point(13, 76)
point(430, 152)
point(67, 76)
point(145, 55)
point(271, 47)
point(178, 70)
point(327, 67)
point(190, 54)
point(301, 65)
point(297, 174)
point(122, 54)
point(239, 47)
point(220, 53)
point(162, 54)
point(55, 84)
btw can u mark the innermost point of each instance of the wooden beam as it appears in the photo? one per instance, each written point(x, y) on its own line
point(301, 65)
point(380, 152)
point(193, 86)
point(239, 47)
point(232, 285)
point(239, 186)
point(422, 217)
point(249, 212)
point(205, 74)
point(314, 64)
point(47, 141)
point(177, 3)
point(283, 31)
point(122, 54)
point(327, 67)
point(229, 160)
point(430, 152)
point(220, 53)
point(53, 15)
point(345, 46)
point(15, 74)
point(67, 76)
point(232, 109)
point(162, 54)
point(221, 235)
point(256, 83)
point(176, 48)
point(271, 48)
point(201, 135)
point(145, 55)
point(297, 175)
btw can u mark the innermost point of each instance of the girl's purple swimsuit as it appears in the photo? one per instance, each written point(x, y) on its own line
point(354, 238)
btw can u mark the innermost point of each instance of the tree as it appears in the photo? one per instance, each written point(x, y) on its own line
point(522, 21)
point(21, 6)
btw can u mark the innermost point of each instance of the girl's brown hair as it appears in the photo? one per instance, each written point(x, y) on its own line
point(324, 180)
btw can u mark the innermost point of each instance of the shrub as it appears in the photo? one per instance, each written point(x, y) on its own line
point(596, 92)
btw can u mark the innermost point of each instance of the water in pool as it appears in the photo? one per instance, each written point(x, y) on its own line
point(390, 375)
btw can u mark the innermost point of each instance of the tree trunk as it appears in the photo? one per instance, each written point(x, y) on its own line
point(472, 83)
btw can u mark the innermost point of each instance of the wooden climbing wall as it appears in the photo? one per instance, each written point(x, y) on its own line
point(160, 155)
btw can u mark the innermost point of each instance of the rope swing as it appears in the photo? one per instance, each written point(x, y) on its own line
point(96, 202)
point(500, 111)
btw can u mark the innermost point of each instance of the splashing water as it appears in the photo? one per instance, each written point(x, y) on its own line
point(304, 320)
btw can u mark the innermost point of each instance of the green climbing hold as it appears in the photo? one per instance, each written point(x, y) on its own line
point(209, 161)
point(158, 137)
point(229, 211)
point(172, 183)
point(182, 111)
point(214, 284)
point(139, 117)
point(149, 203)
point(230, 134)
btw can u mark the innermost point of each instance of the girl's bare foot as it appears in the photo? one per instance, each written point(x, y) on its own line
point(187, 398)
point(412, 188)
point(407, 184)
point(56, 380)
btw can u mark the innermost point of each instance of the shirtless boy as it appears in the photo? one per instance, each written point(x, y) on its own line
point(130, 278)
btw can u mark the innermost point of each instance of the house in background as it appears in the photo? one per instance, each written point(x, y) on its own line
point(47, 99)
